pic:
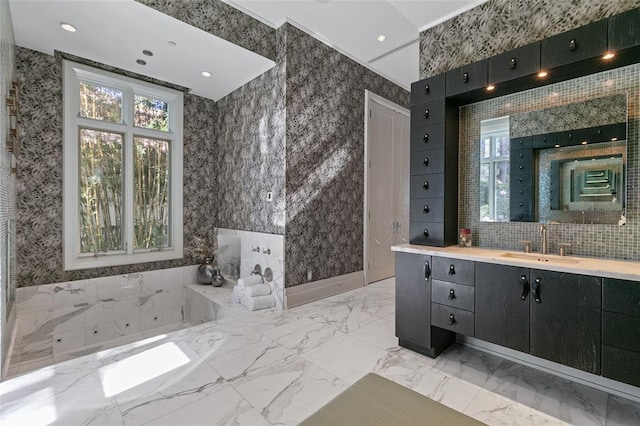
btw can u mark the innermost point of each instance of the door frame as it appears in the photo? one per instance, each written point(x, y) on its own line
point(370, 97)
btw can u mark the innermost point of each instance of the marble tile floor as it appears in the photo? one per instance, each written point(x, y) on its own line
point(278, 367)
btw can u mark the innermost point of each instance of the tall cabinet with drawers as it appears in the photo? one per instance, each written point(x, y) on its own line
point(434, 156)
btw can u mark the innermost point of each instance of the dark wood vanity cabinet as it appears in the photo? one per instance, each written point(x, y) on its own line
point(565, 325)
point(502, 305)
point(514, 64)
point(413, 306)
point(521, 193)
point(433, 164)
point(621, 330)
point(467, 78)
point(624, 30)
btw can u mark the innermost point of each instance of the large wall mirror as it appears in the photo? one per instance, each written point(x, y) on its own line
point(556, 164)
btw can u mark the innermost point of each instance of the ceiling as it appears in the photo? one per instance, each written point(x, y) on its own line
point(115, 32)
point(352, 26)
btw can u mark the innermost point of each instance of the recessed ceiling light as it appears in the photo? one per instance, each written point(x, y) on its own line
point(147, 52)
point(206, 74)
point(381, 38)
point(542, 74)
point(557, 146)
point(614, 139)
point(141, 62)
point(68, 27)
point(491, 87)
point(609, 55)
point(171, 43)
point(584, 142)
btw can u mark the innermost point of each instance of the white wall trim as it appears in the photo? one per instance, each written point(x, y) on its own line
point(370, 97)
point(598, 382)
point(321, 289)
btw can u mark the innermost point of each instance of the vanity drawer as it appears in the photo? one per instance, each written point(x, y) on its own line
point(620, 364)
point(427, 114)
point(521, 155)
point(521, 162)
point(426, 233)
point(521, 179)
point(467, 78)
point(514, 64)
point(426, 210)
point(521, 216)
point(548, 140)
point(621, 296)
point(521, 203)
point(453, 295)
point(600, 133)
point(520, 143)
point(453, 319)
point(454, 270)
point(429, 137)
point(624, 30)
point(589, 41)
point(622, 331)
point(427, 162)
point(427, 186)
point(571, 137)
point(427, 89)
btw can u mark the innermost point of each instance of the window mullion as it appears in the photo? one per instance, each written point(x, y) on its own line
point(128, 175)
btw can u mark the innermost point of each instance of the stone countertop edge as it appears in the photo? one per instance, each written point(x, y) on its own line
point(619, 269)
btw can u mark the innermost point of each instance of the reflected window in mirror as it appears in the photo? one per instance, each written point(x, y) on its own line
point(494, 170)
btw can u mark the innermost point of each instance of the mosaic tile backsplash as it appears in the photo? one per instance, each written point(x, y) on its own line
point(497, 26)
point(608, 241)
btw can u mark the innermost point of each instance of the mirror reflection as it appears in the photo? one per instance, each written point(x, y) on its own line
point(564, 164)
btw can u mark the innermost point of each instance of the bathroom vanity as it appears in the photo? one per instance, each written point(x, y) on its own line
point(579, 312)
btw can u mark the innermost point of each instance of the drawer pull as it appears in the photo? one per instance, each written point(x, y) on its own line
point(425, 138)
point(525, 287)
point(536, 290)
point(426, 209)
point(521, 155)
point(425, 185)
point(426, 161)
point(452, 270)
point(572, 44)
point(520, 180)
point(520, 204)
point(425, 233)
point(427, 271)
point(426, 89)
point(452, 319)
point(512, 63)
point(465, 77)
point(521, 192)
point(452, 295)
point(521, 167)
point(426, 114)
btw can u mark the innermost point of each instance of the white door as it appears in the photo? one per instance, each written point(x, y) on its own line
point(387, 188)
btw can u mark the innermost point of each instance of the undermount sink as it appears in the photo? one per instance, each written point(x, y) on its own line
point(542, 258)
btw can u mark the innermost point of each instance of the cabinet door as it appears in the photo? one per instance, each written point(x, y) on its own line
point(502, 305)
point(514, 64)
point(589, 41)
point(413, 298)
point(624, 30)
point(566, 319)
point(427, 89)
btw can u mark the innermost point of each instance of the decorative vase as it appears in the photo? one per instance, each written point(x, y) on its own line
point(205, 272)
point(217, 279)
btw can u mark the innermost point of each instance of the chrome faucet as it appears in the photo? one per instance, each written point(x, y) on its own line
point(543, 234)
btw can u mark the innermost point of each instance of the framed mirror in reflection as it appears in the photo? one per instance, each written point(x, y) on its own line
point(562, 164)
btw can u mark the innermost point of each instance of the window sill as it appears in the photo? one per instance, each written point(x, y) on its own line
point(121, 259)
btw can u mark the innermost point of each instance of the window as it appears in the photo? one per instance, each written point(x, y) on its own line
point(494, 170)
point(122, 170)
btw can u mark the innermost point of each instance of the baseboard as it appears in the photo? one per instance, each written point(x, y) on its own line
point(316, 290)
point(602, 383)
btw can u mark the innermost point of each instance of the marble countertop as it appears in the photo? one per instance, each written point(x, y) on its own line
point(571, 264)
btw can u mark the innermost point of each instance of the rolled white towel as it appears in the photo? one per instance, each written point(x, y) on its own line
point(236, 294)
point(257, 290)
point(245, 282)
point(258, 302)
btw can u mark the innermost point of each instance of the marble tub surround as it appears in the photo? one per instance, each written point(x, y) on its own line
point(569, 264)
point(62, 320)
point(279, 366)
point(254, 248)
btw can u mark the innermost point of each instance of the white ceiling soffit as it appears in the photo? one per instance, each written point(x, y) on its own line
point(115, 32)
point(354, 25)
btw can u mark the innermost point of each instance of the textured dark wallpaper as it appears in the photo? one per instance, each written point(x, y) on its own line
point(325, 157)
point(221, 20)
point(39, 188)
point(501, 25)
point(251, 158)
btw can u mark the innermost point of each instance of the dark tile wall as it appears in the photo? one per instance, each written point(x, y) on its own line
point(325, 157)
point(221, 20)
point(39, 188)
point(501, 25)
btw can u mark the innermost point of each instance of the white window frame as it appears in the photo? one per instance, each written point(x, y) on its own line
point(73, 74)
